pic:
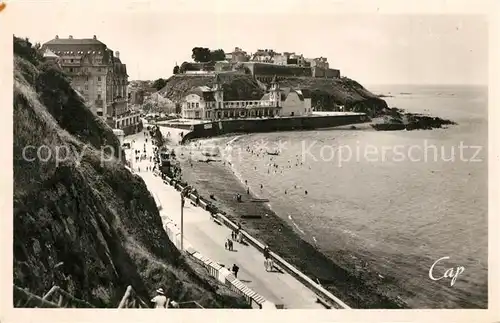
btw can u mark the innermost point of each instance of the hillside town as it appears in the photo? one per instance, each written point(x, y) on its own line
point(100, 77)
point(263, 64)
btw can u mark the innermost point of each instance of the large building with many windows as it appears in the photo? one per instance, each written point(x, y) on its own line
point(98, 74)
point(208, 103)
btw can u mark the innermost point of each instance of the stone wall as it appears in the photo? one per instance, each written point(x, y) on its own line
point(328, 73)
point(262, 69)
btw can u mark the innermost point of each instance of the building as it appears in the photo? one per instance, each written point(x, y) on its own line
point(98, 74)
point(238, 55)
point(264, 55)
point(208, 103)
point(296, 59)
point(281, 59)
point(321, 62)
point(157, 103)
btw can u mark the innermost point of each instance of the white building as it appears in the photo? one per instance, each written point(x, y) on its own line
point(208, 103)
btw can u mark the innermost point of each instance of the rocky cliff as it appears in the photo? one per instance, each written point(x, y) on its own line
point(81, 219)
point(325, 93)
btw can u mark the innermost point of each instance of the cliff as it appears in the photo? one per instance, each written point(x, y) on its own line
point(81, 219)
point(325, 93)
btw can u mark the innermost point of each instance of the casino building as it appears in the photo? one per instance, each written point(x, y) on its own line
point(207, 103)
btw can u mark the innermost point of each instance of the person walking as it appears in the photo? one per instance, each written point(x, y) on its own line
point(266, 252)
point(235, 270)
point(160, 299)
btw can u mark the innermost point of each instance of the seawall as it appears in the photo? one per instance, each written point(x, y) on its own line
point(222, 127)
point(323, 296)
point(215, 270)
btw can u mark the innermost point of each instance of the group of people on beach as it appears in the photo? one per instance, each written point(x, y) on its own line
point(274, 167)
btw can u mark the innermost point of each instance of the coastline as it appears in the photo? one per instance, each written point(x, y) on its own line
point(223, 181)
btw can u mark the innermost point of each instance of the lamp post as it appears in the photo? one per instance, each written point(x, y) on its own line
point(183, 193)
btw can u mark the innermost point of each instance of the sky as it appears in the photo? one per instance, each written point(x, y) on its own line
point(372, 46)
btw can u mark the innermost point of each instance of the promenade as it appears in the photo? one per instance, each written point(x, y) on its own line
point(208, 238)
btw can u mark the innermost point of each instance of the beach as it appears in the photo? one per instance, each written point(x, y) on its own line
point(220, 179)
point(369, 231)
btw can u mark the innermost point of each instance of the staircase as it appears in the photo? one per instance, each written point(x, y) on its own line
point(131, 300)
point(59, 298)
point(55, 298)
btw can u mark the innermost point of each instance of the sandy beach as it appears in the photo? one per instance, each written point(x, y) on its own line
point(219, 179)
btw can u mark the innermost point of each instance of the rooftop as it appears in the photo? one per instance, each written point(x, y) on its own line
point(74, 41)
point(49, 53)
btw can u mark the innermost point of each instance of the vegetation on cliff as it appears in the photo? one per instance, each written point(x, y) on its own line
point(82, 221)
point(326, 94)
point(398, 119)
point(236, 86)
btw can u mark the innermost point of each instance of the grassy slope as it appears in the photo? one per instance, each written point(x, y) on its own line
point(325, 92)
point(236, 87)
point(96, 217)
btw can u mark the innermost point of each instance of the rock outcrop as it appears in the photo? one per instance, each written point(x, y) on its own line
point(325, 93)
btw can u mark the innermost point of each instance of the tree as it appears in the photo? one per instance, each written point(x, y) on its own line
point(159, 84)
point(176, 69)
point(201, 54)
point(217, 55)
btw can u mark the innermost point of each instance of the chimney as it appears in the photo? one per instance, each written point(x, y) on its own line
point(117, 54)
point(70, 37)
point(57, 36)
point(95, 37)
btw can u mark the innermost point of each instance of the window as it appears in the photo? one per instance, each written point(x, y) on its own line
point(99, 79)
point(86, 86)
point(197, 105)
point(98, 96)
point(98, 69)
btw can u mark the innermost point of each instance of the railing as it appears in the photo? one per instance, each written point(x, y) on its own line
point(65, 299)
point(24, 298)
point(324, 296)
point(190, 304)
point(56, 297)
point(131, 300)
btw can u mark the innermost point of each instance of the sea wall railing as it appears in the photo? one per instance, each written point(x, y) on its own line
point(214, 269)
point(324, 296)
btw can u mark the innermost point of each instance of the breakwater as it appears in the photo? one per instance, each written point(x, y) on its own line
point(222, 127)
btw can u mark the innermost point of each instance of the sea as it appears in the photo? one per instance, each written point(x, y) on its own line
point(412, 205)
